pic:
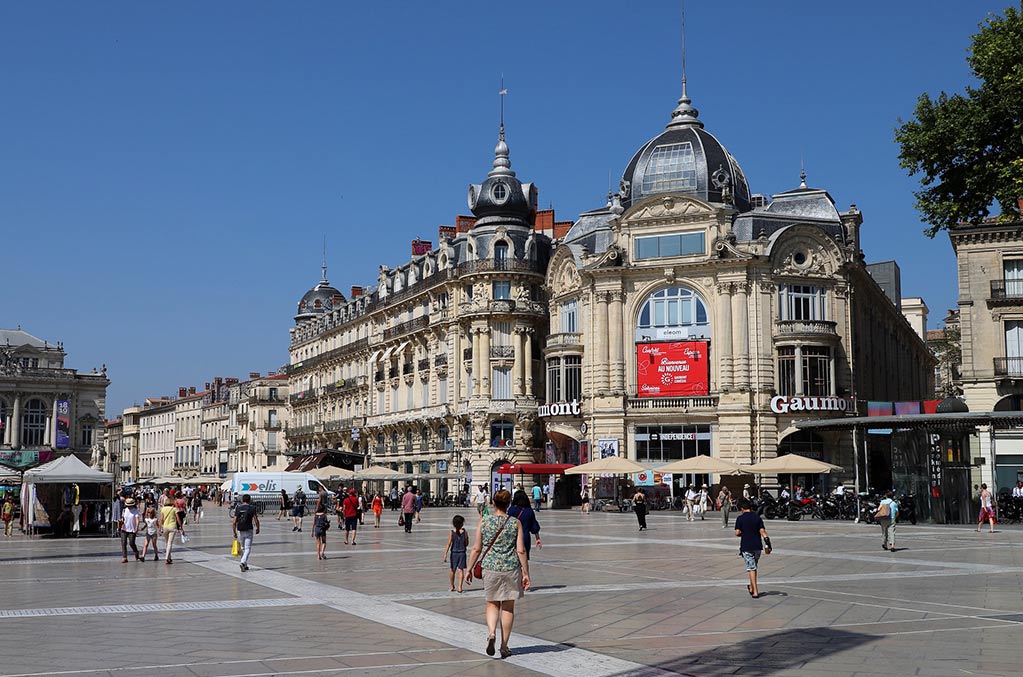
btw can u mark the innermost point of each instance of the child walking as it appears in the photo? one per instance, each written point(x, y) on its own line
point(152, 526)
point(458, 544)
point(320, 525)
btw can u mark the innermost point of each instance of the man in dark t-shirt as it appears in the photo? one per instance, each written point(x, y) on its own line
point(749, 527)
point(245, 518)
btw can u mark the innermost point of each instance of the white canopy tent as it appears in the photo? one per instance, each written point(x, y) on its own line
point(63, 470)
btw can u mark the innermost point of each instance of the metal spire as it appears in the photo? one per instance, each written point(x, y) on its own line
point(802, 171)
point(502, 165)
point(684, 114)
point(323, 266)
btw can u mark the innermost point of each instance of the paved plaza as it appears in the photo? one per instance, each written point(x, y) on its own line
point(607, 600)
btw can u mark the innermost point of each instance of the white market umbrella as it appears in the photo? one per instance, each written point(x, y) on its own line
point(611, 465)
point(790, 464)
point(376, 472)
point(330, 472)
point(701, 465)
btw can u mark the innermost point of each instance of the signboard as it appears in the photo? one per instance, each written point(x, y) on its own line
point(784, 404)
point(644, 479)
point(672, 369)
point(672, 436)
point(558, 409)
point(63, 437)
point(442, 466)
point(24, 459)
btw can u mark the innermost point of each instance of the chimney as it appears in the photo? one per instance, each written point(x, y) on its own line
point(271, 373)
point(420, 247)
point(182, 392)
point(445, 233)
point(463, 224)
point(544, 221)
point(561, 228)
point(253, 375)
point(191, 390)
point(231, 380)
point(356, 292)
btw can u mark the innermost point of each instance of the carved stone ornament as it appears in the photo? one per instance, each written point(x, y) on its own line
point(9, 364)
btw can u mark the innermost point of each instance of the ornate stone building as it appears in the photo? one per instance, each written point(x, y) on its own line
point(690, 316)
point(434, 370)
point(45, 407)
point(990, 267)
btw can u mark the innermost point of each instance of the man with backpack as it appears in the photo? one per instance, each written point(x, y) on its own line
point(297, 509)
point(887, 513)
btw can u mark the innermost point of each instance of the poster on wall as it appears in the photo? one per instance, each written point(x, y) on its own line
point(607, 448)
point(63, 424)
point(672, 369)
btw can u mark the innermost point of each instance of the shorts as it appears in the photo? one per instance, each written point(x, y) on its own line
point(458, 560)
point(751, 559)
point(298, 511)
point(351, 524)
point(986, 514)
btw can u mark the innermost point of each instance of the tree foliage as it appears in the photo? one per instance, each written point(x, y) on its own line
point(968, 149)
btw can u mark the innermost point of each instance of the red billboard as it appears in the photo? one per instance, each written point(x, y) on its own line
point(672, 369)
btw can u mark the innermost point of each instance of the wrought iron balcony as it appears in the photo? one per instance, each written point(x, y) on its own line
point(423, 365)
point(819, 328)
point(676, 403)
point(440, 360)
point(1006, 290)
point(499, 265)
point(1009, 366)
point(406, 327)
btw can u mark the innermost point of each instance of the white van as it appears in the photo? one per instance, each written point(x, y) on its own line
point(265, 487)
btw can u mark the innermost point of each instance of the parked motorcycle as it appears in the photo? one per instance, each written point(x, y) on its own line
point(907, 508)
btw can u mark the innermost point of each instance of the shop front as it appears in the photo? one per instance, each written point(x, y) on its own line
point(659, 444)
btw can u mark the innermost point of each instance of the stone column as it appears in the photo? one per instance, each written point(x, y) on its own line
point(485, 361)
point(740, 336)
point(527, 366)
point(800, 386)
point(519, 370)
point(16, 423)
point(455, 367)
point(475, 363)
point(603, 359)
point(617, 334)
point(724, 335)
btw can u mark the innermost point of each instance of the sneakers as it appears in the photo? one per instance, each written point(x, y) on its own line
point(244, 567)
point(294, 528)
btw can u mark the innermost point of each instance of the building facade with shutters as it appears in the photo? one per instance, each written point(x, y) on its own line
point(690, 316)
point(435, 371)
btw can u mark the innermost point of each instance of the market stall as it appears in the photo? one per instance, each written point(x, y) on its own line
point(67, 497)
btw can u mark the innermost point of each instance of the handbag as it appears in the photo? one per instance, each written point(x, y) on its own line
point(401, 520)
point(236, 548)
point(477, 569)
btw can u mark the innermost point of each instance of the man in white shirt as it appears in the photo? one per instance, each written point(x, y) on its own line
point(691, 497)
point(840, 489)
point(746, 492)
point(784, 494)
point(1017, 491)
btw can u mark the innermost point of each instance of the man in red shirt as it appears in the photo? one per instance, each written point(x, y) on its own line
point(351, 511)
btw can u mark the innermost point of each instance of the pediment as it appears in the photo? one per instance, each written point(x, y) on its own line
point(667, 208)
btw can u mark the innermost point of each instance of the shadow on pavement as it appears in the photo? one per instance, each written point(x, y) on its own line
point(763, 655)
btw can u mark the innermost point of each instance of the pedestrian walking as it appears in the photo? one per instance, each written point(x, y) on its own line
point(704, 501)
point(297, 509)
point(152, 525)
point(378, 509)
point(7, 514)
point(321, 524)
point(724, 504)
point(129, 526)
point(752, 533)
point(457, 546)
point(394, 498)
point(479, 499)
point(690, 505)
point(408, 509)
point(419, 503)
point(639, 507)
point(283, 507)
point(196, 506)
point(537, 496)
point(351, 512)
point(362, 509)
point(505, 569)
point(245, 519)
point(987, 511)
point(170, 522)
point(584, 497)
point(887, 513)
point(521, 511)
point(547, 496)
point(182, 507)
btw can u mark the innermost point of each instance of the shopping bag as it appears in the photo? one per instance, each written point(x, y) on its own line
point(236, 548)
point(401, 520)
point(185, 538)
point(202, 514)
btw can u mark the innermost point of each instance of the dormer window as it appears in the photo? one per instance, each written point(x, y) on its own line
point(499, 192)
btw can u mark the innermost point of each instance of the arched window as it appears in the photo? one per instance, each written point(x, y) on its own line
point(500, 255)
point(33, 424)
point(425, 443)
point(502, 434)
point(408, 441)
point(673, 313)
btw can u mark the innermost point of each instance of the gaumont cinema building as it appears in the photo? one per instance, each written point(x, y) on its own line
point(691, 316)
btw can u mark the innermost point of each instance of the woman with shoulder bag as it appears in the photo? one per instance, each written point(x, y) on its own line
point(499, 556)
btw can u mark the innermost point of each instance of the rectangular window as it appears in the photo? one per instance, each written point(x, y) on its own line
point(1013, 269)
point(802, 302)
point(817, 371)
point(380, 403)
point(425, 393)
point(569, 317)
point(787, 371)
point(271, 441)
point(501, 289)
point(502, 383)
point(573, 377)
point(502, 333)
point(554, 379)
point(442, 389)
point(410, 397)
point(1014, 347)
point(663, 246)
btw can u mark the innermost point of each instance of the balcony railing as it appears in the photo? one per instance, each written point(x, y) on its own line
point(1006, 289)
point(273, 425)
point(806, 327)
point(406, 327)
point(499, 265)
point(564, 339)
point(305, 395)
point(209, 442)
point(423, 365)
point(1009, 366)
point(308, 363)
point(440, 360)
point(301, 430)
point(502, 351)
point(683, 403)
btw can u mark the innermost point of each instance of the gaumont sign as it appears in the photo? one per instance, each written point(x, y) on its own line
point(784, 404)
point(672, 369)
point(559, 409)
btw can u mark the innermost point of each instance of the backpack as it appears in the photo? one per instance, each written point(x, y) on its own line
point(884, 510)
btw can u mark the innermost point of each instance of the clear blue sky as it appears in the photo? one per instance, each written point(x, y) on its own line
point(168, 170)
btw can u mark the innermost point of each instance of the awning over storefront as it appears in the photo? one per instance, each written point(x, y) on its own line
point(306, 463)
point(999, 419)
point(533, 468)
point(387, 354)
point(373, 358)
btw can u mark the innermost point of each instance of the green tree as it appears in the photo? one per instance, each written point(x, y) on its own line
point(968, 148)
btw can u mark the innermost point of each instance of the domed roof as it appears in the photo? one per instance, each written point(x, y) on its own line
point(951, 405)
point(502, 197)
point(685, 158)
point(320, 299)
